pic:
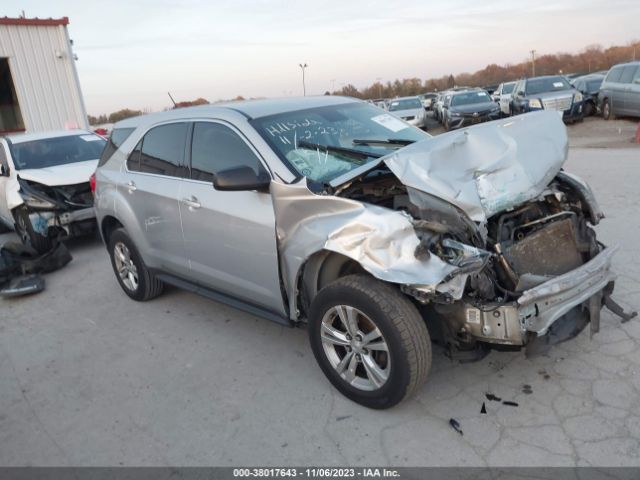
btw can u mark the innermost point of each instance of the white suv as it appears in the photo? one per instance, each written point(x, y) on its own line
point(44, 184)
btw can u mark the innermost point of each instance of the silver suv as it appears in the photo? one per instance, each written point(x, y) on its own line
point(331, 212)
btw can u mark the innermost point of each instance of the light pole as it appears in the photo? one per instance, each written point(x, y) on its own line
point(533, 62)
point(379, 87)
point(304, 88)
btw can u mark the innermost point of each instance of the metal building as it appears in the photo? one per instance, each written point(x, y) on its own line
point(39, 86)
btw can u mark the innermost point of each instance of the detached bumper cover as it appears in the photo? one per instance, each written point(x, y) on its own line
point(549, 301)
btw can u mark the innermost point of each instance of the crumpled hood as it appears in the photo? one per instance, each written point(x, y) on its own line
point(488, 168)
point(67, 174)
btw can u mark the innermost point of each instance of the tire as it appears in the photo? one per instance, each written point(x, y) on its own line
point(588, 109)
point(389, 319)
point(136, 279)
point(28, 235)
point(606, 109)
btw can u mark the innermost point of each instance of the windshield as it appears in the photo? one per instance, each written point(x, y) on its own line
point(49, 152)
point(508, 87)
point(550, 84)
point(295, 135)
point(404, 104)
point(469, 98)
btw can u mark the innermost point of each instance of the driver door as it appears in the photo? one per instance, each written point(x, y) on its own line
point(230, 236)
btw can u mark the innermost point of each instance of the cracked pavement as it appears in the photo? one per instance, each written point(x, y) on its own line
point(89, 377)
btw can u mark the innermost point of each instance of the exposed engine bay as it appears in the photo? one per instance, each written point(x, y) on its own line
point(517, 250)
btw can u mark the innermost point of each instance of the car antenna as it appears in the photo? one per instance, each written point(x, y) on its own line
point(174, 102)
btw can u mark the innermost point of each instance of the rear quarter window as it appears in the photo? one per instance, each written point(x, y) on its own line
point(118, 136)
point(614, 74)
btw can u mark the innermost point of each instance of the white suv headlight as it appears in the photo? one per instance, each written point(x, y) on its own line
point(577, 97)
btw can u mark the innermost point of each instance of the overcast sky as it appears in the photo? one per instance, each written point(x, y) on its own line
point(131, 52)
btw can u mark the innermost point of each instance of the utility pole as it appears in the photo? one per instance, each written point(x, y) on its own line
point(304, 88)
point(533, 62)
point(379, 80)
point(333, 85)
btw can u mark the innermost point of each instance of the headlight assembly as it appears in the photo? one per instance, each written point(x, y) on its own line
point(36, 202)
point(535, 103)
point(577, 97)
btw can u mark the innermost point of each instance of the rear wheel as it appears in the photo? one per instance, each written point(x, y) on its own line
point(369, 340)
point(133, 276)
point(27, 234)
point(606, 109)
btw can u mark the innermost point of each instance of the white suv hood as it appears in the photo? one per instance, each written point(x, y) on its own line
point(67, 174)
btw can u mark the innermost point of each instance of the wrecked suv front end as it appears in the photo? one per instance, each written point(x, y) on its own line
point(481, 227)
point(48, 191)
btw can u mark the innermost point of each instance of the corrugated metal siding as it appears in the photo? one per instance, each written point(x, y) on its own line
point(47, 86)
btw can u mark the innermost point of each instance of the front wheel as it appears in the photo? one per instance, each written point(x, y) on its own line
point(28, 235)
point(369, 340)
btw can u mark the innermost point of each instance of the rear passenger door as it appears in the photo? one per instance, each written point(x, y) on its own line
point(630, 74)
point(229, 236)
point(155, 169)
point(615, 90)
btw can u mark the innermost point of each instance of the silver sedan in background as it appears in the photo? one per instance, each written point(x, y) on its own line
point(409, 109)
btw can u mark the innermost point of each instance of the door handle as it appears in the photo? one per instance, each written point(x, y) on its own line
point(192, 203)
point(131, 186)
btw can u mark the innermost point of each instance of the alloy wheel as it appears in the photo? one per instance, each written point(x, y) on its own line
point(355, 347)
point(125, 266)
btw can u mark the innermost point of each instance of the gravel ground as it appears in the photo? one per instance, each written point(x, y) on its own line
point(89, 377)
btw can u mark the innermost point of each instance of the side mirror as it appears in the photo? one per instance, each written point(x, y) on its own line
point(4, 170)
point(520, 93)
point(241, 179)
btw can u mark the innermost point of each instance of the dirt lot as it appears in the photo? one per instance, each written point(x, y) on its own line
point(593, 132)
point(89, 377)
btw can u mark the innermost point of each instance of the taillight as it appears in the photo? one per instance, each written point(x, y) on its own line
point(92, 183)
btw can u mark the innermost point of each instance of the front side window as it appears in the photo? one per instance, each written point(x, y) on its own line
point(298, 137)
point(161, 151)
point(50, 152)
point(216, 147)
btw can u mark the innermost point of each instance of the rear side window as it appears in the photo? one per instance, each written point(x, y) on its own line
point(216, 147)
point(628, 73)
point(118, 136)
point(161, 151)
point(614, 74)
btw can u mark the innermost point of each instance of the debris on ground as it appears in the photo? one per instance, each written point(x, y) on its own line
point(23, 285)
point(20, 266)
point(491, 397)
point(483, 409)
point(510, 403)
point(455, 425)
point(527, 389)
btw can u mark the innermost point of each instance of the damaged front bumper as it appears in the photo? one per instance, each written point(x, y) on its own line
point(73, 222)
point(538, 308)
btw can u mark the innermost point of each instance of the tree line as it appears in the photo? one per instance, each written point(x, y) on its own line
point(593, 58)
